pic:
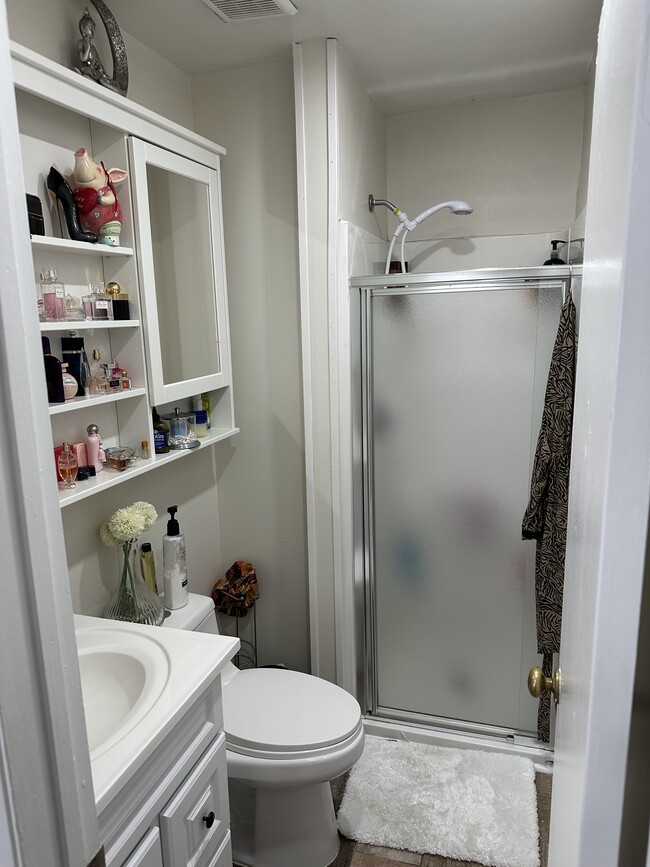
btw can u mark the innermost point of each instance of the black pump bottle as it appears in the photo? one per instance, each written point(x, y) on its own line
point(555, 256)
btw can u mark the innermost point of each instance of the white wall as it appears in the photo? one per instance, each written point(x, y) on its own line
point(260, 472)
point(51, 27)
point(516, 161)
point(361, 150)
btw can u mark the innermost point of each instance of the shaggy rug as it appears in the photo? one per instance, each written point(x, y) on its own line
point(465, 804)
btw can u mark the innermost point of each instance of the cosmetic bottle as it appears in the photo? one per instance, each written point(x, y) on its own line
point(95, 448)
point(125, 382)
point(67, 466)
point(73, 354)
point(201, 415)
point(160, 434)
point(70, 384)
point(555, 256)
point(120, 301)
point(53, 374)
point(98, 379)
point(53, 295)
point(145, 452)
point(148, 566)
point(174, 565)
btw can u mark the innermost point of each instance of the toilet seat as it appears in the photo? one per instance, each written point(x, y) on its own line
point(274, 713)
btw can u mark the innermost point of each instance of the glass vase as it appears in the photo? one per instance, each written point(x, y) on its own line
point(133, 601)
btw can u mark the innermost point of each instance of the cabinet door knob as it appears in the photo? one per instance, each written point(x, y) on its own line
point(209, 819)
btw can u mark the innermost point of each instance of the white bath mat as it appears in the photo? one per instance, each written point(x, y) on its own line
point(465, 804)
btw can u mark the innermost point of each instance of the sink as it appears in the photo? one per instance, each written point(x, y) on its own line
point(122, 677)
point(137, 683)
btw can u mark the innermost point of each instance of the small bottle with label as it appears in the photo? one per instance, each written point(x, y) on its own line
point(114, 383)
point(148, 566)
point(53, 295)
point(160, 434)
point(125, 382)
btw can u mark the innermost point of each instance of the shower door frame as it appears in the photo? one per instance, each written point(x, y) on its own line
point(490, 279)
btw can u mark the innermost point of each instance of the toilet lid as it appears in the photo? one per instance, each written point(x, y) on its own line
point(279, 710)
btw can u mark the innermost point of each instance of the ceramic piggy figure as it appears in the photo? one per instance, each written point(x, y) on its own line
point(94, 192)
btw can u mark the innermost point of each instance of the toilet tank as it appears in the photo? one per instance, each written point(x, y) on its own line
point(197, 616)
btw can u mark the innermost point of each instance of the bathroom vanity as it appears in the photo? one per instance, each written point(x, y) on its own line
point(158, 754)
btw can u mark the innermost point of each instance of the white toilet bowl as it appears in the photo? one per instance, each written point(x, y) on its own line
point(287, 735)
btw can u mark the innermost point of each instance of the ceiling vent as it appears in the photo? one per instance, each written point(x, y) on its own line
point(245, 10)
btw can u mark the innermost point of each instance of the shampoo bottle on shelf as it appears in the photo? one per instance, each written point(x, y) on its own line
point(174, 566)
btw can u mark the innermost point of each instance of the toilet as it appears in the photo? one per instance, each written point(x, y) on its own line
point(287, 735)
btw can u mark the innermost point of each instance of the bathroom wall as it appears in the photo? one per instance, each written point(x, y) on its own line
point(261, 471)
point(51, 28)
point(361, 150)
point(516, 161)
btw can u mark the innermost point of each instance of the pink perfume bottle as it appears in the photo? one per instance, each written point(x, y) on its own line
point(67, 466)
point(53, 295)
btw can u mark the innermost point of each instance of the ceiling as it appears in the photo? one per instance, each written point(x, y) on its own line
point(411, 54)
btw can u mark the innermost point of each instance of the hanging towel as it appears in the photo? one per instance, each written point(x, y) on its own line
point(546, 516)
point(236, 591)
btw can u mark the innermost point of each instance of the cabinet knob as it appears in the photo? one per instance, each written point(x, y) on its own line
point(209, 819)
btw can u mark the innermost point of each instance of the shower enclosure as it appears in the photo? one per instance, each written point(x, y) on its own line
point(451, 385)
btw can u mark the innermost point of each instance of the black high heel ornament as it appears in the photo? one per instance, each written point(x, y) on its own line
point(60, 188)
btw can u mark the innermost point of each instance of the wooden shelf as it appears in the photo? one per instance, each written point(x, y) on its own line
point(95, 400)
point(64, 245)
point(108, 479)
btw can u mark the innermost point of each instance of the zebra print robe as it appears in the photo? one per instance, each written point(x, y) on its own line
point(546, 516)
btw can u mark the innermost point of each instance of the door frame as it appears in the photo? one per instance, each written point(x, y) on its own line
point(610, 469)
point(45, 771)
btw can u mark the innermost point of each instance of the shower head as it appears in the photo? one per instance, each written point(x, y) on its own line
point(462, 209)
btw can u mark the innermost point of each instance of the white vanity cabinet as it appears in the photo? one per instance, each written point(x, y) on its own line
point(174, 812)
point(170, 261)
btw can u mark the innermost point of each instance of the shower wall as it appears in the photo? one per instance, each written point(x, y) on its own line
point(517, 161)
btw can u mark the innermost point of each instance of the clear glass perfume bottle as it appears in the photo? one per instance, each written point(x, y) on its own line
point(98, 379)
point(53, 295)
point(67, 466)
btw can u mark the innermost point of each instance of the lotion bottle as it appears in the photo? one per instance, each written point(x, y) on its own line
point(174, 566)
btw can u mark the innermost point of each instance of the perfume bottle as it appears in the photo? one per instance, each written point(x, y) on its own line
point(53, 295)
point(70, 384)
point(114, 381)
point(53, 374)
point(98, 304)
point(67, 466)
point(98, 380)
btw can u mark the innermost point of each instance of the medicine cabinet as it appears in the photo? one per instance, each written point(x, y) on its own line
point(177, 212)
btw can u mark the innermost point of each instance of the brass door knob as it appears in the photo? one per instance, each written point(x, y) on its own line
point(539, 683)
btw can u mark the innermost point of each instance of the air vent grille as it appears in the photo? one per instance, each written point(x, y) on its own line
point(243, 10)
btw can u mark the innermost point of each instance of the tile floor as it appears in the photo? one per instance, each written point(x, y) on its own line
point(353, 854)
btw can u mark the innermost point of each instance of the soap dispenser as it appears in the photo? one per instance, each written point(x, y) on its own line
point(555, 256)
point(174, 566)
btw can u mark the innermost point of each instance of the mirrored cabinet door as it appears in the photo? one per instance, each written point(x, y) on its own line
point(177, 208)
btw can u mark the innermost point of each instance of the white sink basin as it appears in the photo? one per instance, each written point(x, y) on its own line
point(122, 676)
point(137, 683)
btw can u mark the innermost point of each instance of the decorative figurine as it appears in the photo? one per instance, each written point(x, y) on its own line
point(91, 64)
point(97, 203)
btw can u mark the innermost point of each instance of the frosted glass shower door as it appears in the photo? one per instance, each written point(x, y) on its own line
point(456, 382)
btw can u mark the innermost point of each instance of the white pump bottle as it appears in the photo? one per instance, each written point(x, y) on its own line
point(174, 565)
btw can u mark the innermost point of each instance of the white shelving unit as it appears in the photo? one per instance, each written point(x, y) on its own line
point(58, 113)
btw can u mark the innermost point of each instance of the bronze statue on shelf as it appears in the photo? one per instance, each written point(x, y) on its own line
point(91, 65)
